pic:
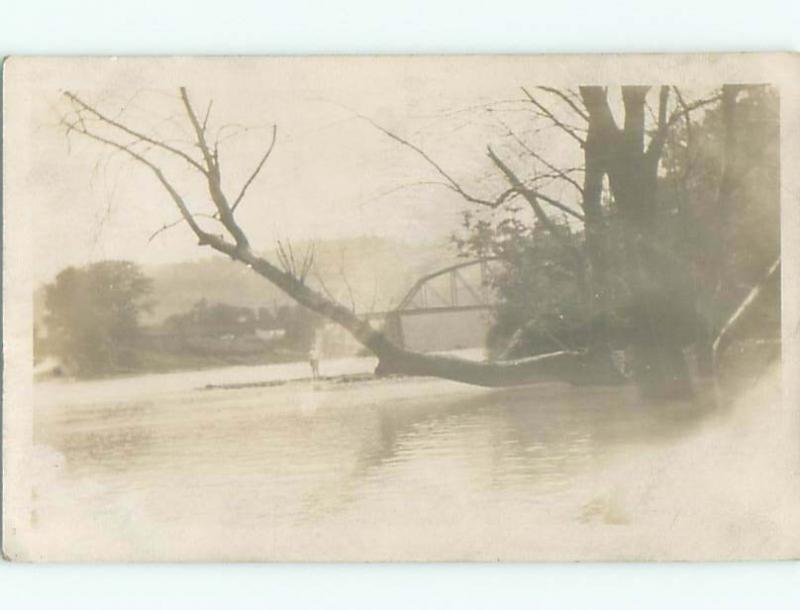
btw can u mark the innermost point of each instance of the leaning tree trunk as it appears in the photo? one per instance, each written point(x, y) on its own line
point(576, 367)
point(770, 282)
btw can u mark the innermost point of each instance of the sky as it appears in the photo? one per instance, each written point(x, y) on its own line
point(331, 174)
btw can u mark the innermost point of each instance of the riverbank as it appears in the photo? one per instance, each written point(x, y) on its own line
point(160, 362)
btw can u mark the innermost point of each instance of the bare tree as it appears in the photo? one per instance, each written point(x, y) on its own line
point(290, 275)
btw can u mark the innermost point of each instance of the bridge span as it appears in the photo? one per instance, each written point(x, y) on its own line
point(448, 309)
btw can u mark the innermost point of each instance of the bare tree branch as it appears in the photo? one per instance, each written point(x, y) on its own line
point(451, 183)
point(348, 286)
point(532, 198)
point(297, 268)
point(664, 123)
point(557, 171)
point(569, 101)
point(558, 123)
point(256, 171)
point(177, 199)
point(208, 114)
point(325, 288)
point(177, 222)
point(557, 204)
point(402, 187)
point(695, 105)
point(212, 174)
point(198, 130)
point(138, 135)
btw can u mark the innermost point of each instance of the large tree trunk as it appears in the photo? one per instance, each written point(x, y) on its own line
point(596, 167)
point(659, 365)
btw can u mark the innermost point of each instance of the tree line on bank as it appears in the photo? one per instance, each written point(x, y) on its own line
point(91, 323)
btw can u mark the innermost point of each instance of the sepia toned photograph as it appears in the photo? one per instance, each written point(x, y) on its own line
point(464, 308)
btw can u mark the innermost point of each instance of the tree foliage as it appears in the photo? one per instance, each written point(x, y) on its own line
point(712, 231)
point(721, 198)
point(92, 316)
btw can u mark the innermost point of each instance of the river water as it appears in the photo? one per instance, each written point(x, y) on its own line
point(164, 467)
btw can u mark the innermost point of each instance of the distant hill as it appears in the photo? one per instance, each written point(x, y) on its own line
point(373, 273)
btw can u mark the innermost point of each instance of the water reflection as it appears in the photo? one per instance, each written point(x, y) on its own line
point(534, 428)
point(290, 456)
